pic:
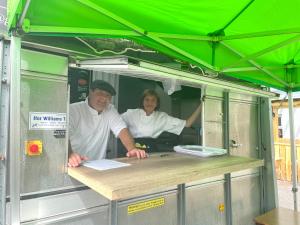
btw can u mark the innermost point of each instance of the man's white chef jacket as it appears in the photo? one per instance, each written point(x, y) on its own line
point(89, 131)
point(141, 125)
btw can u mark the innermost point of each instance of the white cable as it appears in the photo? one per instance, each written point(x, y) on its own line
point(113, 52)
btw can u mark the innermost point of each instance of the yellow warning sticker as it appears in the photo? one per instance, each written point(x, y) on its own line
point(141, 206)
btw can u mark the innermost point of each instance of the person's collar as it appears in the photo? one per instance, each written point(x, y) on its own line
point(144, 113)
point(91, 110)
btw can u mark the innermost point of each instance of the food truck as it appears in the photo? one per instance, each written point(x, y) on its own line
point(53, 50)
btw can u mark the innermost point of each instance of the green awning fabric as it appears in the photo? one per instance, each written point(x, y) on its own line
point(253, 40)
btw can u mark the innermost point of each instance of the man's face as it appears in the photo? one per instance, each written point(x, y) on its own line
point(99, 99)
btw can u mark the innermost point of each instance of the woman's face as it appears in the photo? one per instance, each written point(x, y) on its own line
point(149, 103)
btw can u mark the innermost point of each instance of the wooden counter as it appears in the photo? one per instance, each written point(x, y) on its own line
point(158, 171)
point(279, 216)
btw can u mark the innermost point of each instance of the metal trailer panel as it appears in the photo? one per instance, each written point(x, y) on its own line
point(93, 216)
point(63, 205)
point(4, 125)
point(243, 129)
point(213, 122)
point(246, 187)
point(239, 97)
point(39, 95)
point(204, 204)
point(162, 215)
point(270, 193)
point(14, 130)
point(100, 217)
point(245, 199)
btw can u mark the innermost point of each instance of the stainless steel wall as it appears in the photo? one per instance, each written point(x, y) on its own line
point(214, 118)
point(246, 199)
point(246, 186)
point(204, 203)
point(244, 137)
point(161, 215)
point(44, 172)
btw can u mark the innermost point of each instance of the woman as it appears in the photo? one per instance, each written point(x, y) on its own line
point(148, 122)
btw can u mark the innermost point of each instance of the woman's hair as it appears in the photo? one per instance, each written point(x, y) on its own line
point(150, 92)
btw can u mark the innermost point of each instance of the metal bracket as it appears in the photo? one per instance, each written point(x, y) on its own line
point(233, 144)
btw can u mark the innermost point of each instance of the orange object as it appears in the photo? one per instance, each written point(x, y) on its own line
point(33, 147)
point(221, 207)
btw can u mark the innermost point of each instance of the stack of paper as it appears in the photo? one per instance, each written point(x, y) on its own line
point(104, 164)
point(199, 150)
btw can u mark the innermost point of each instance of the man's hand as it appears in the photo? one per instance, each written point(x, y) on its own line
point(140, 154)
point(75, 159)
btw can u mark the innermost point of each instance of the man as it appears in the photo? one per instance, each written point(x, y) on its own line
point(91, 122)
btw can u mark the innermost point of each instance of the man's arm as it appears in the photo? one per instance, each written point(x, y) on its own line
point(74, 158)
point(128, 142)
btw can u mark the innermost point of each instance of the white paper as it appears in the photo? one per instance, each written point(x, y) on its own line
point(104, 164)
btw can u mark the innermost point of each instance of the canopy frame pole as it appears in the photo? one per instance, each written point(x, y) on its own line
point(245, 69)
point(257, 65)
point(23, 15)
point(264, 51)
point(81, 30)
point(296, 85)
point(293, 149)
point(140, 30)
point(261, 34)
point(237, 15)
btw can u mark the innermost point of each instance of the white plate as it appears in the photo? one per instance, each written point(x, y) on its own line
point(199, 150)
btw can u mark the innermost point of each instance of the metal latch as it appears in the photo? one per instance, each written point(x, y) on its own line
point(233, 144)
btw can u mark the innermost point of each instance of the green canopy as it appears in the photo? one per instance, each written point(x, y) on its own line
point(256, 41)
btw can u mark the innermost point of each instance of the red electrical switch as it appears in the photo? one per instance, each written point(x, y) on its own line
point(33, 147)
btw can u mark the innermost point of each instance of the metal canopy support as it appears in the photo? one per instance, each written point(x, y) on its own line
point(80, 30)
point(261, 34)
point(14, 144)
point(237, 15)
point(258, 66)
point(24, 12)
point(293, 148)
point(264, 51)
point(245, 69)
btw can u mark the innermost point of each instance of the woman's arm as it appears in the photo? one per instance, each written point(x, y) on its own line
point(194, 116)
